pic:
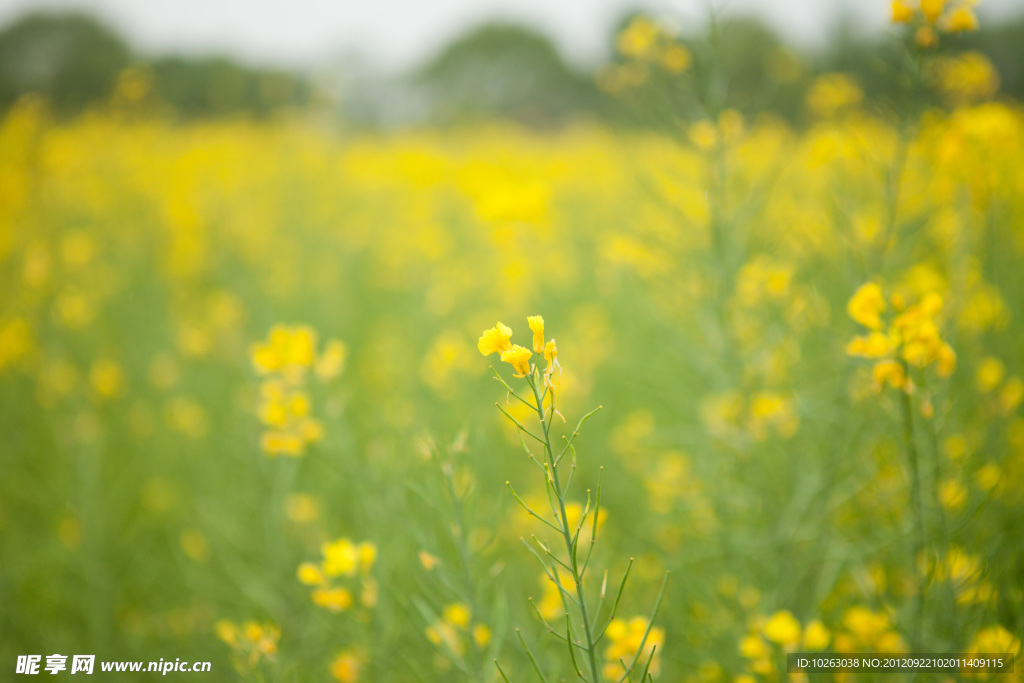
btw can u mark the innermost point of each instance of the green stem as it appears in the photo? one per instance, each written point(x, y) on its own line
point(566, 534)
point(916, 503)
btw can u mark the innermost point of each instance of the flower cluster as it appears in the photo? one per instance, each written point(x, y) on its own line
point(642, 44)
point(628, 642)
point(249, 642)
point(910, 339)
point(867, 630)
point(782, 631)
point(948, 16)
point(285, 409)
point(341, 559)
point(455, 628)
point(498, 340)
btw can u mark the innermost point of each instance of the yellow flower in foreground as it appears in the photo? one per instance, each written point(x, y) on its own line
point(519, 358)
point(495, 340)
point(537, 327)
point(866, 306)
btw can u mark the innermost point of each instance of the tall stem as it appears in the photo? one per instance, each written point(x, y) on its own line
point(566, 534)
point(916, 502)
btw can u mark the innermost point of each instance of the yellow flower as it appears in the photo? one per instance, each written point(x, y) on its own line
point(990, 374)
point(638, 38)
point(752, 647)
point(782, 629)
point(952, 495)
point(1011, 395)
point(901, 12)
point(226, 631)
point(333, 599)
point(310, 574)
point(867, 305)
point(874, 345)
point(676, 58)
point(932, 9)
point(345, 667)
point(926, 37)
point(946, 362)
point(340, 557)
point(889, 372)
point(332, 361)
point(494, 340)
point(457, 614)
point(428, 561)
point(367, 556)
point(962, 19)
point(106, 378)
point(995, 639)
point(816, 636)
point(537, 327)
point(551, 356)
point(519, 358)
point(481, 635)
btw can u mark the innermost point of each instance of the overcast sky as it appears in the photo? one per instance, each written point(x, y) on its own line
point(398, 33)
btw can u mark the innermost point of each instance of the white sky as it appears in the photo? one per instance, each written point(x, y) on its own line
point(398, 33)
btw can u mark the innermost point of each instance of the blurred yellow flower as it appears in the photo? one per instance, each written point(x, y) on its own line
point(902, 13)
point(867, 305)
point(783, 629)
point(816, 636)
point(346, 666)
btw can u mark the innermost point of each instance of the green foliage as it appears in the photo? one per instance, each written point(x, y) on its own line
point(71, 59)
point(506, 71)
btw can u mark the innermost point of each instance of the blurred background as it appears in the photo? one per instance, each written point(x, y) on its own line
point(247, 250)
point(395, 63)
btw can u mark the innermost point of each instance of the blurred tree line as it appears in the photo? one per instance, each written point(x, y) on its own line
point(494, 71)
point(75, 61)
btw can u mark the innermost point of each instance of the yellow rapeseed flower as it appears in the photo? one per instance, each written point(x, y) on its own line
point(962, 19)
point(481, 635)
point(457, 614)
point(902, 13)
point(783, 629)
point(311, 574)
point(932, 10)
point(519, 358)
point(495, 340)
point(345, 667)
point(816, 636)
point(536, 323)
point(334, 599)
point(867, 305)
